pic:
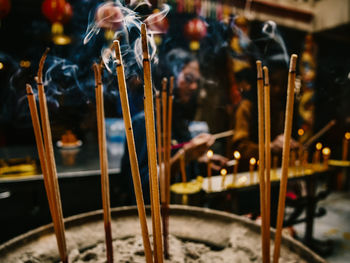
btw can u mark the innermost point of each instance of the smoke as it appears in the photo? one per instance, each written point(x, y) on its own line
point(272, 33)
point(125, 24)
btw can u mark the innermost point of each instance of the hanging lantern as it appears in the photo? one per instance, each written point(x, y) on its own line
point(195, 30)
point(5, 6)
point(158, 24)
point(58, 12)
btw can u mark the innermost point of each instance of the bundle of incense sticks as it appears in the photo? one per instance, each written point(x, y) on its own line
point(47, 159)
point(264, 127)
point(260, 86)
point(164, 117)
point(133, 156)
point(151, 147)
point(285, 156)
point(103, 161)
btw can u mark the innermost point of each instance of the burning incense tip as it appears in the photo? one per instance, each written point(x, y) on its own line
point(259, 68)
point(29, 89)
point(144, 41)
point(266, 76)
point(293, 63)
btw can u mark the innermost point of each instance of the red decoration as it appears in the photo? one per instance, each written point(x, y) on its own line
point(57, 11)
point(5, 7)
point(157, 23)
point(195, 29)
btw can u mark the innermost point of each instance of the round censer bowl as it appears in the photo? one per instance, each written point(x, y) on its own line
point(196, 235)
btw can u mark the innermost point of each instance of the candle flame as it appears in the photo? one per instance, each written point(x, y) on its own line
point(301, 132)
point(318, 146)
point(252, 161)
point(237, 155)
point(223, 172)
point(326, 151)
point(347, 135)
point(210, 153)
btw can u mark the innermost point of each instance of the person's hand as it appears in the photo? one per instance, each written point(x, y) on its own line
point(277, 144)
point(198, 146)
point(217, 161)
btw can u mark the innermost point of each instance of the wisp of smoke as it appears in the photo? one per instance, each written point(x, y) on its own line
point(127, 29)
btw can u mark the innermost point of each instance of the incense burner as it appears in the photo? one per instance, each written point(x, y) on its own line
point(216, 235)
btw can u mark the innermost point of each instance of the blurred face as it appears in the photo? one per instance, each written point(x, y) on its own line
point(187, 81)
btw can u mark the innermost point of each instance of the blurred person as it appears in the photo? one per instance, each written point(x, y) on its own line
point(186, 71)
point(245, 138)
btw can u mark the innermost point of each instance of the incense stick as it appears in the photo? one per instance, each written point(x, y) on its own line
point(319, 134)
point(223, 134)
point(267, 156)
point(260, 86)
point(51, 165)
point(285, 157)
point(169, 126)
point(103, 162)
point(43, 161)
point(165, 205)
point(216, 136)
point(151, 142)
point(132, 152)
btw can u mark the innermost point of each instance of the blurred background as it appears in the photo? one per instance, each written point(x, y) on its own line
point(226, 36)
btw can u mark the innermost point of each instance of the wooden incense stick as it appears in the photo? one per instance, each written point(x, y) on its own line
point(51, 165)
point(224, 134)
point(165, 205)
point(319, 134)
point(132, 152)
point(169, 127)
point(103, 162)
point(216, 136)
point(183, 166)
point(164, 103)
point(260, 85)
point(160, 148)
point(43, 161)
point(285, 156)
point(267, 156)
point(151, 142)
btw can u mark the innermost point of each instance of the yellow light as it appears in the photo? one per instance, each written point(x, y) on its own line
point(252, 161)
point(237, 155)
point(326, 151)
point(61, 40)
point(223, 172)
point(210, 153)
point(300, 132)
point(1, 65)
point(347, 135)
point(318, 146)
point(24, 63)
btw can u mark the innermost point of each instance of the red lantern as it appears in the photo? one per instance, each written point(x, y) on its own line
point(195, 30)
point(5, 7)
point(57, 11)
